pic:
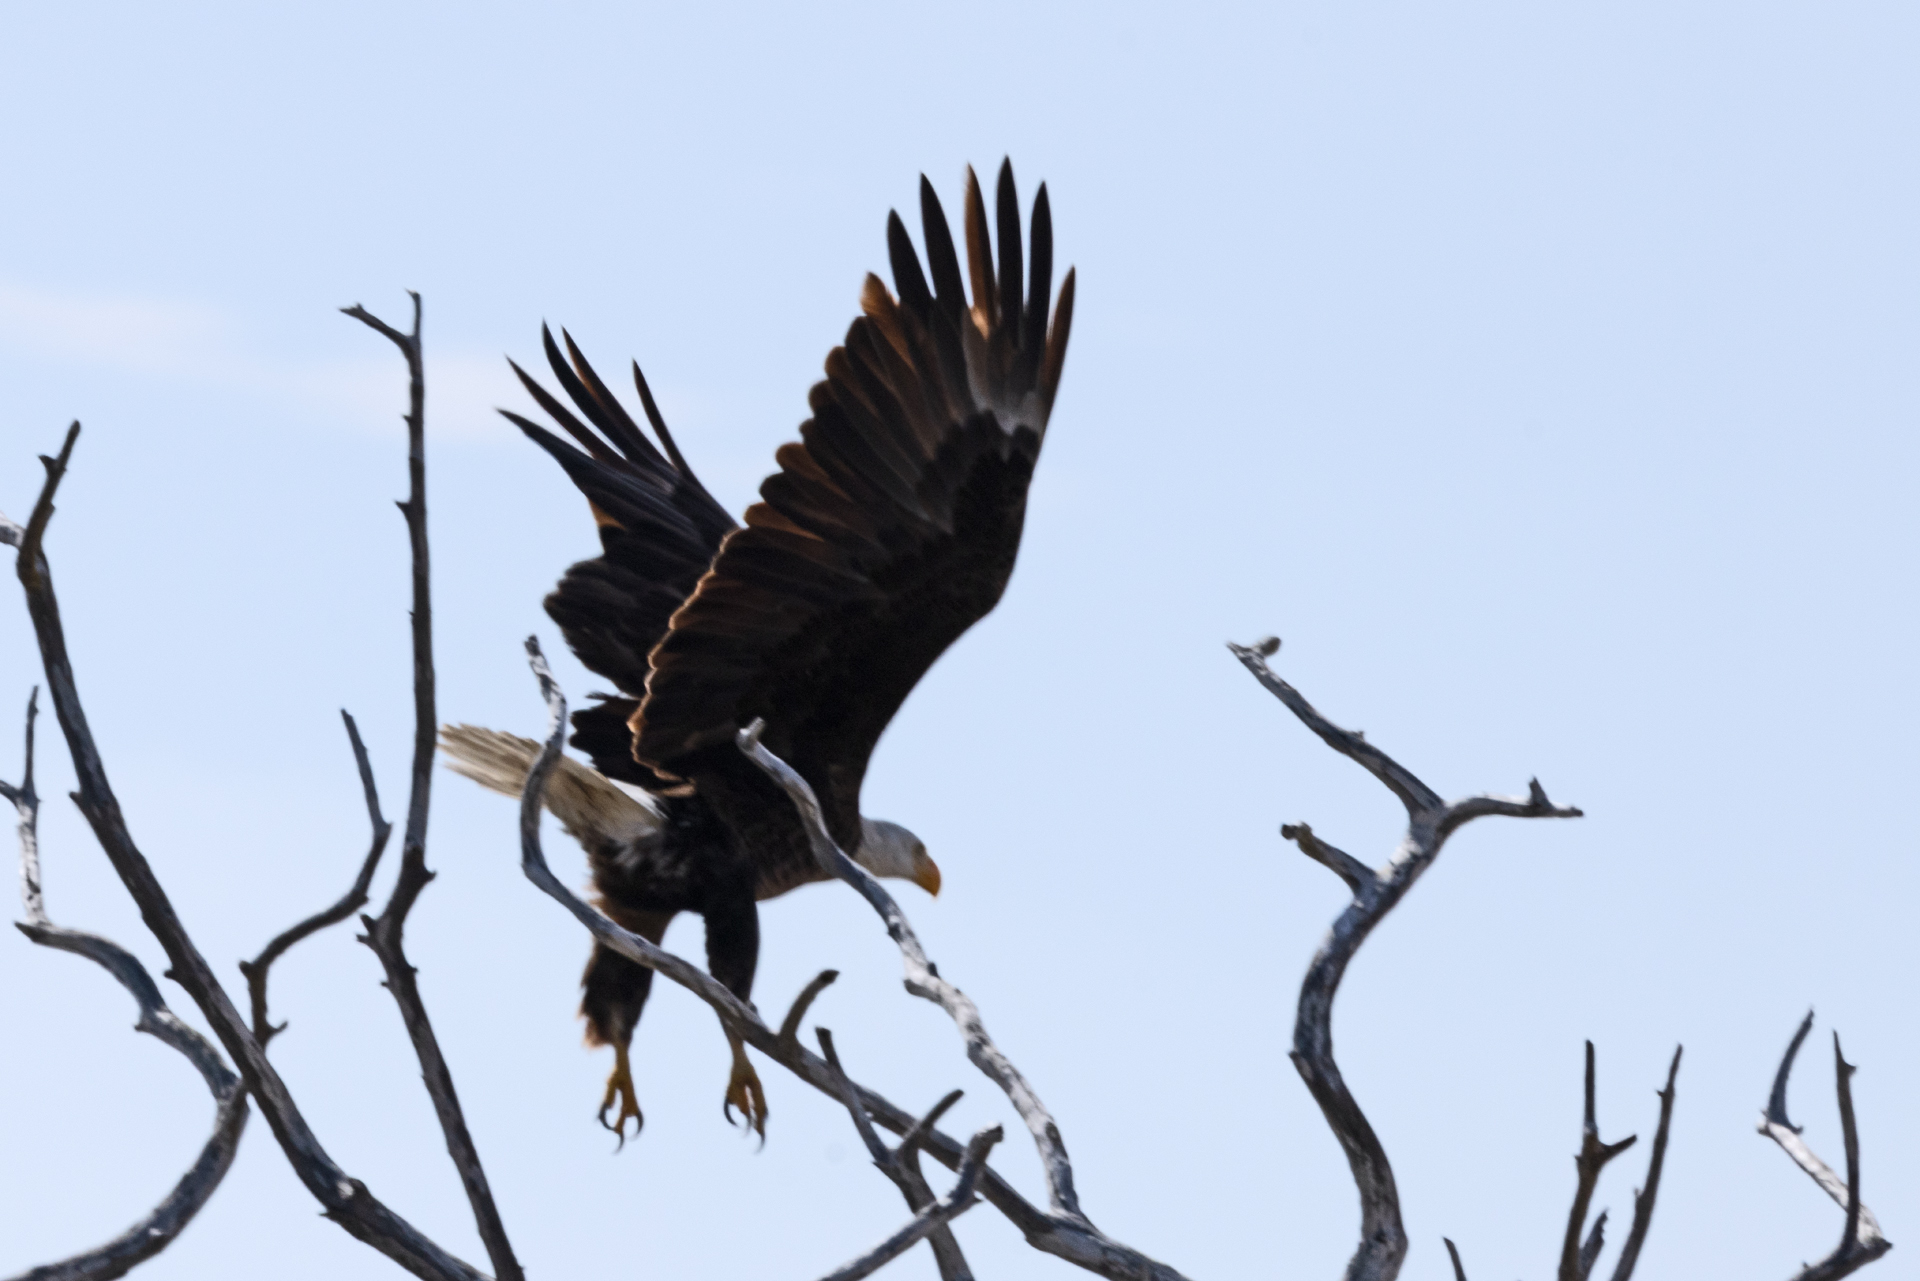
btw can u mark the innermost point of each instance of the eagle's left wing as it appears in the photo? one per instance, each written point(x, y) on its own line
point(890, 528)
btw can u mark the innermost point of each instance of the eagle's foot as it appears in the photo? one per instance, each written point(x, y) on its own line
point(620, 1089)
point(744, 1092)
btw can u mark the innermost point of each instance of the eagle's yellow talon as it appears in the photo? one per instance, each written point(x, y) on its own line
point(744, 1092)
point(620, 1088)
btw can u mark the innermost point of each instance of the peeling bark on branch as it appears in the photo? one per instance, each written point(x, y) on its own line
point(923, 978)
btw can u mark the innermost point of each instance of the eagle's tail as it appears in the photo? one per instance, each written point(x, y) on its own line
point(588, 804)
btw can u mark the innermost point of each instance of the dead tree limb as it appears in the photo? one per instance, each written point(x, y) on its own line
point(352, 901)
point(1077, 1242)
point(901, 1165)
point(923, 978)
point(1862, 1242)
point(344, 1199)
point(932, 1219)
point(1383, 1238)
point(1577, 1258)
point(386, 932)
point(1644, 1198)
point(158, 1229)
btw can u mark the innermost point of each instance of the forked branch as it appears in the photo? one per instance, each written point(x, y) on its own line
point(345, 1199)
point(902, 1164)
point(386, 932)
point(1430, 821)
point(157, 1230)
point(352, 901)
point(1862, 1241)
point(923, 978)
point(1576, 1256)
point(1075, 1241)
point(933, 1218)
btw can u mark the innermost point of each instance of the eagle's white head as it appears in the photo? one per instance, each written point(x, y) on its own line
point(888, 849)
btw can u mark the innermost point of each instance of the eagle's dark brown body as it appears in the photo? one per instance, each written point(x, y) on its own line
point(890, 528)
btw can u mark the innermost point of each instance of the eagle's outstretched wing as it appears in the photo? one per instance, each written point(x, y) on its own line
point(891, 526)
point(659, 530)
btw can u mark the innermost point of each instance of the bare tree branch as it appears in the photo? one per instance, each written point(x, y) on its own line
point(1350, 743)
point(1358, 876)
point(1453, 1252)
point(1075, 1241)
point(1644, 1198)
point(902, 1165)
point(345, 1200)
point(935, 1216)
point(352, 901)
point(790, 1026)
point(1576, 1260)
point(1862, 1241)
point(385, 933)
point(158, 1229)
point(923, 978)
point(1383, 1237)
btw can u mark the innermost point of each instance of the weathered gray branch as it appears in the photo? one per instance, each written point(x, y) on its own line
point(386, 932)
point(902, 1165)
point(1643, 1200)
point(923, 979)
point(1076, 1242)
point(1861, 1242)
point(1576, 1258)
point(790, 1026)
point(1430, 821)
point(158, 1229)
point(933, 1218)
point(345, 1200)
point(352, 901)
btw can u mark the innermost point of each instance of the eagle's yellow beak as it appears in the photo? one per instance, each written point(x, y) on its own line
point(926, 874)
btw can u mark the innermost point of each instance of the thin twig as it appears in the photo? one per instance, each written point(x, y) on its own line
point(1643, 1199)
point(157, 1230)
point(790, 1026)
point(1383, 1237)
point(1577, 1260)
point(1356, 874)
point(386, 932)
point(1077, 1243)
point(900, 1165)
point(934, 1216)
point(345, 1200)
point(352, 901)
point(1453, 1252)
point(1862, 1242)
point(923, 979)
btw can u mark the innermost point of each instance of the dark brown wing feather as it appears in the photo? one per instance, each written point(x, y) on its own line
point(890, 528)
point(659, 530)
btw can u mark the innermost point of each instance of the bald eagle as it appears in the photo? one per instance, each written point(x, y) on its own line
point(890, 527)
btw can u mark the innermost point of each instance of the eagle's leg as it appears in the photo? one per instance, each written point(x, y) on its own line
point(615, 991)
point(733, 950)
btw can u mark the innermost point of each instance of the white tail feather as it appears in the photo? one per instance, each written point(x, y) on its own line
point(588, 804)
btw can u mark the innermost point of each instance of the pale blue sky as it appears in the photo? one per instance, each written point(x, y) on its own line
point(1543, 374)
